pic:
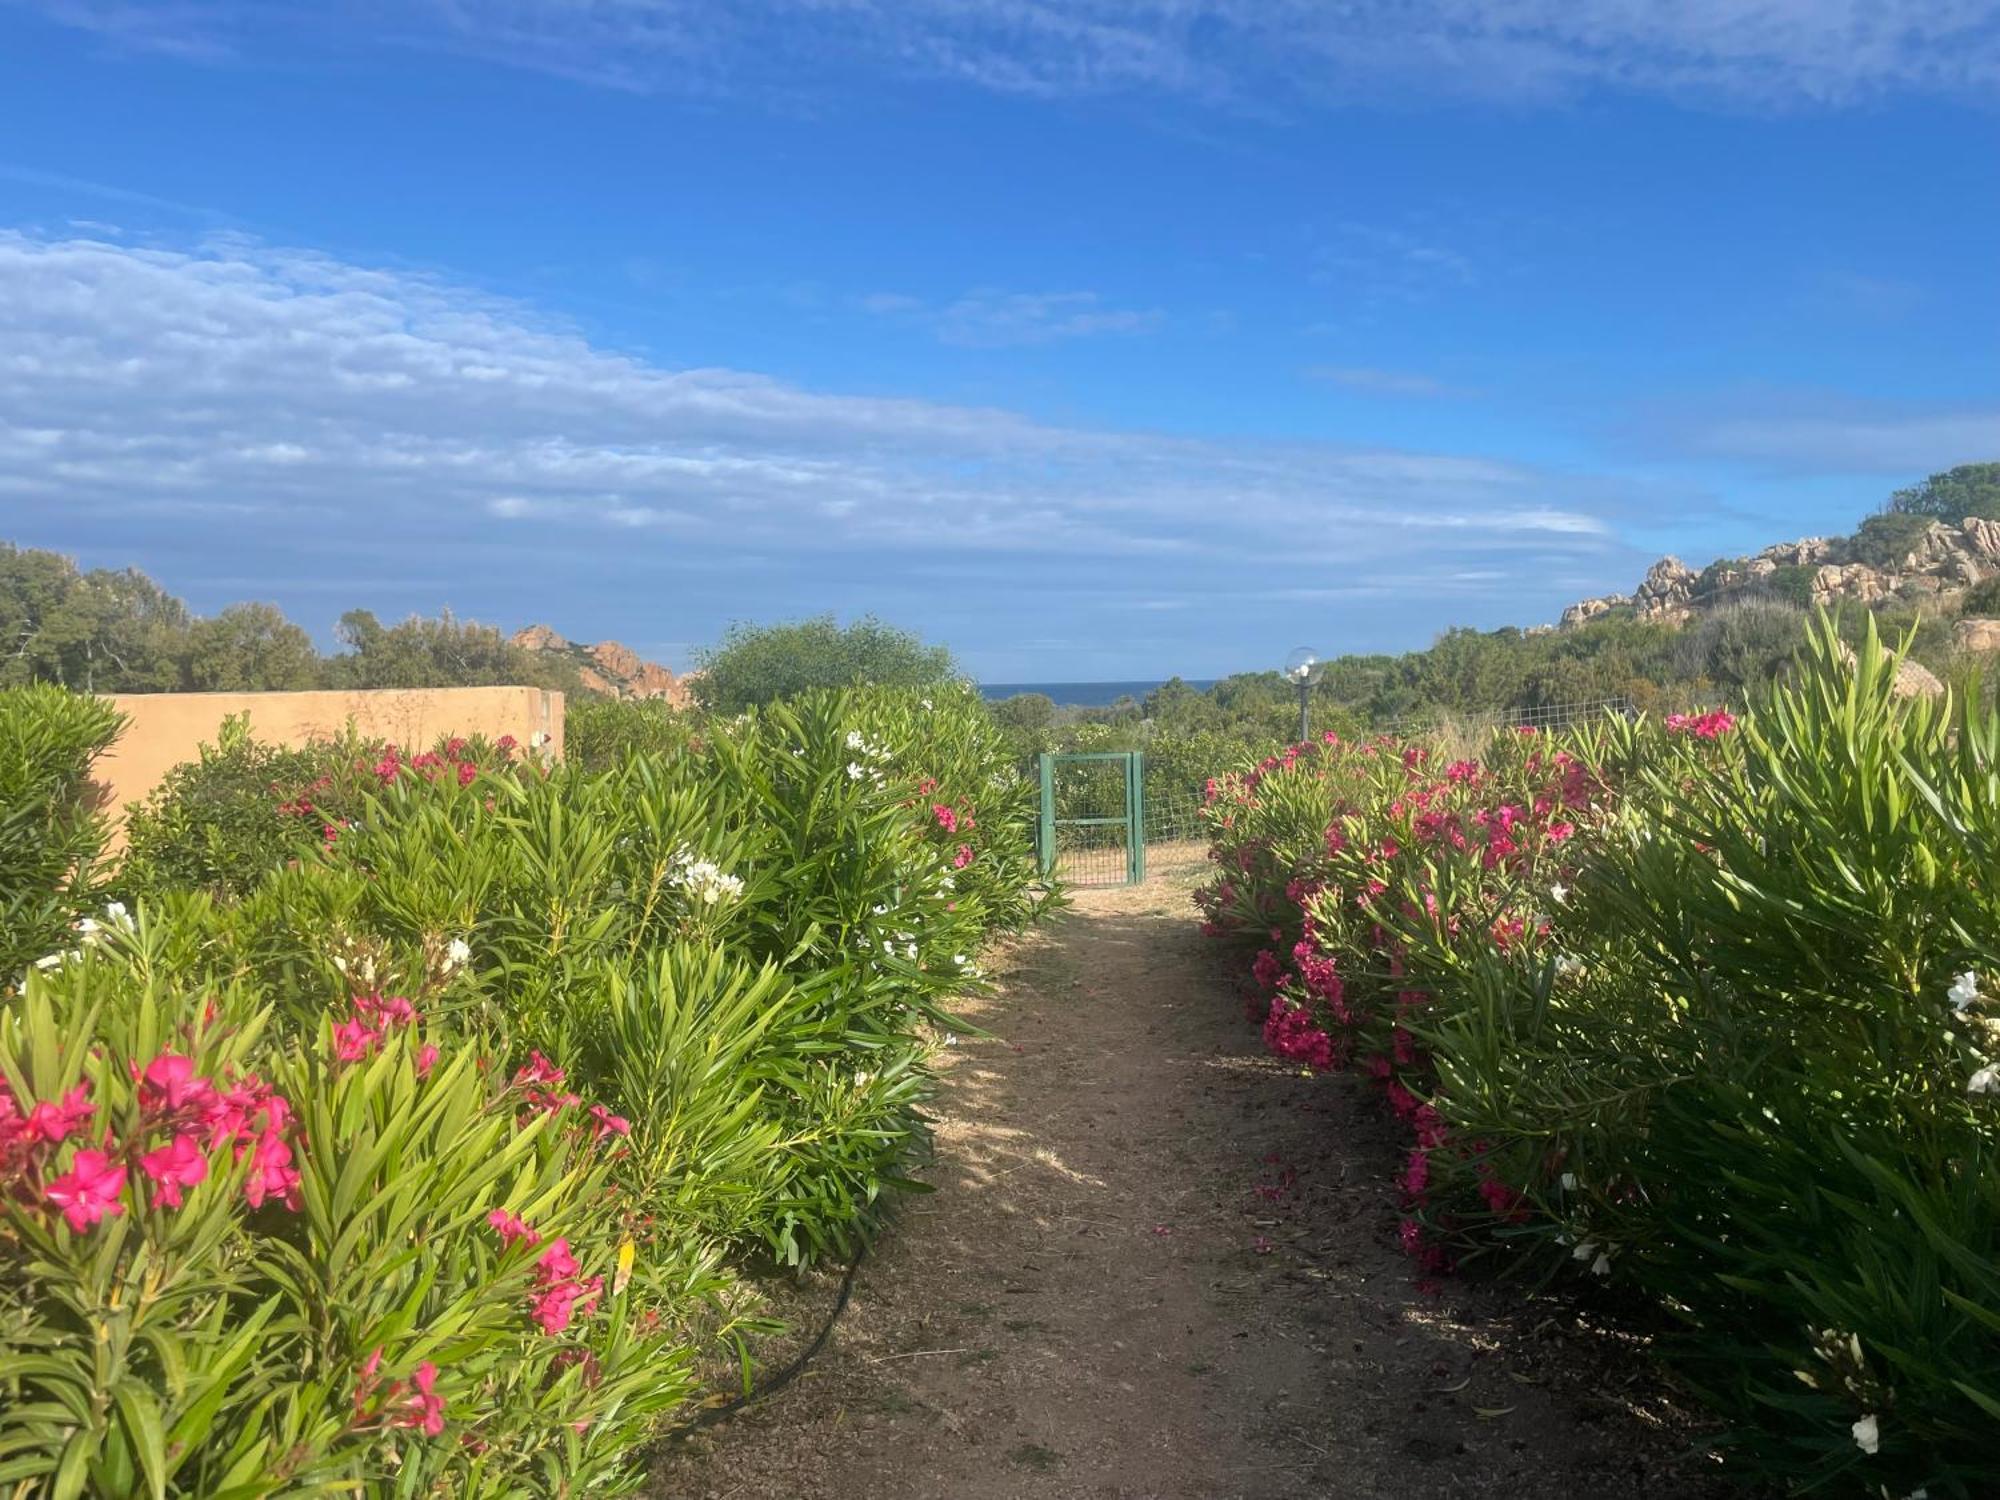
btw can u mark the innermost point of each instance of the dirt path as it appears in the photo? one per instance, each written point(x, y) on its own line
point(1099, 1302)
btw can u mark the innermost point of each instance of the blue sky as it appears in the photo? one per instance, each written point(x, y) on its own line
point(1095, 338)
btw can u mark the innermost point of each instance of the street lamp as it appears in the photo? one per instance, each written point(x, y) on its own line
point(1302, 670)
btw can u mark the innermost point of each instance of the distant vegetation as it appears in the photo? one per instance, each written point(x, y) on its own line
point(107, 631)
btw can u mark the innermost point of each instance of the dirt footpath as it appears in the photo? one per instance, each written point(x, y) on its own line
point(1159, 1264)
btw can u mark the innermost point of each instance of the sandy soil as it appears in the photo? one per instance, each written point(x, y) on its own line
point(1100, 1302)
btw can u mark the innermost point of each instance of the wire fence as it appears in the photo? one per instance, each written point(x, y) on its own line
point(1542, 717)
point(1097, 854)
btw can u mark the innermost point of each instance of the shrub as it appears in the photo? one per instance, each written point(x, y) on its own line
point(51, 828)
point(242, 808)
point(234, 1263)
point(665, 1013)
point(1697, 1008)
point(1885, 539)
point(598, 733)
point(760, 664)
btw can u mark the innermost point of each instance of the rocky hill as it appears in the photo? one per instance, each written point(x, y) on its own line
point(611, 669)
point(1941, 559)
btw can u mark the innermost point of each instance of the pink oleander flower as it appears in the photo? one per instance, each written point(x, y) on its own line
point(427, 1056)
point(272, 1174)
point(354, 1039)
point(390, 1010)
point(422, 1409)
point(947, 817)
point(169, 1084)
point(606, 1123)
point(963, 858)
point(511, 1227)
point(538, 1069)
point(179, 1164)
point(88, 1191)
point(556, 1263)
point(56, 1120)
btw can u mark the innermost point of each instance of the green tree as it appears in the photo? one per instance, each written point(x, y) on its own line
point(1968, 490)
point(102, 631)
point(441, 652)
point(250, 648)
point(1885, 539)
point(757, 664)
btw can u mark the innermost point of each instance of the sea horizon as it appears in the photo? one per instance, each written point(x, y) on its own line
point(1087, 694)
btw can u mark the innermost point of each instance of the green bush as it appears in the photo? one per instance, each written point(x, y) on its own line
point(598, 732)
point(674, 1014)
point(51, 828)
point(760, 664)
point(1707, 1013)
point(237, 1262)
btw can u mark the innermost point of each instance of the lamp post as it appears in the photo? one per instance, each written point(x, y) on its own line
point(1302, 670)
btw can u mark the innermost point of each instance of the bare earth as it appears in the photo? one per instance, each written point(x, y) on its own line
point(1098, 1302)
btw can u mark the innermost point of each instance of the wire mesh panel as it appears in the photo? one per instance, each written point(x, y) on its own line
point(1088, 856)
point(1546, 717)
point(1176, 837)
point(1093, 817)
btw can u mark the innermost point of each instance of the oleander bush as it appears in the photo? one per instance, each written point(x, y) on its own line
point(1699, 1011)
point(417, 1126)
point(51, 830)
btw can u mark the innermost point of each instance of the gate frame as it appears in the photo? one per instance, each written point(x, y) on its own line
point(1135, 808)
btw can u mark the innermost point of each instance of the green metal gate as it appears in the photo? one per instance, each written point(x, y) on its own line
point(1093, 834)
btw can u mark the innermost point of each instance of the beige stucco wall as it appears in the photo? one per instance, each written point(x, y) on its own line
point(165, 729)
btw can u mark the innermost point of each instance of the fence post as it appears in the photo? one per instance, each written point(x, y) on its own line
point(1135, 813)
point(1045, 833)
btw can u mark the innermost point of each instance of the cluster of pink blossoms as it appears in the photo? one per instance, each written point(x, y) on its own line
point(198, 1116)
point(540, 1082)
point(559, 1293)
point(374, 1017)
point(1290, 1032)
point(414, 1404)
point(1306, 1012)
point(1709, 726)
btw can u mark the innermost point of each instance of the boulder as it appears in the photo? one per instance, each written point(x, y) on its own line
point(540, 638)
point(1977, 634)
point(1938, 547)
point(1806, 552)
point(1982, 540)
point(1666, 592)
point(1858, 581)
point(1915, 680)
point(1589, 609)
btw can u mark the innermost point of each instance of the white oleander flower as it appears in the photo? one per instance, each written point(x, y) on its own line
point(1560, 892)
point(854, 772)
point(116, 914)
point(1601, 1266)
point(1985, 1081)
point(1964, 992)
point(1868, 1434)
point(1569, 1182)
point(457, 954)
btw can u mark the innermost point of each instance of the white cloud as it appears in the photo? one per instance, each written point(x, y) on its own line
point(986, 318)
point(235, 386)
point(1760, 53)
point(1821, 432)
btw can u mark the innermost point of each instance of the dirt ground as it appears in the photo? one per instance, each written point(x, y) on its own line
point(1099, 1301)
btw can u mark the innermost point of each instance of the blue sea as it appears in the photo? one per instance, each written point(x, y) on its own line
point(1084, 694)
